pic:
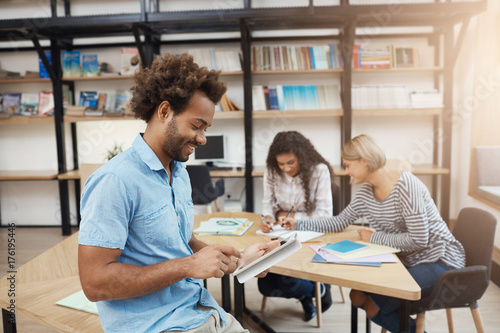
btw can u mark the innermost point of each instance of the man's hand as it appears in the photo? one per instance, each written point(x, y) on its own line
point(289, 223)
point(257, 250)
point(212, 261)
point(365, 235)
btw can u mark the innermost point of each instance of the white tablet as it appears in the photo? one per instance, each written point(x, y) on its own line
point(287, 247)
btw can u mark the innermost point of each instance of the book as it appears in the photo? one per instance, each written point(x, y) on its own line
point(75, 110)
point(29, 104)
point(78, 301)
point(88, 98)
point(101, 101)
point(255, 267)
point(122, 100)
point(41, 66)
point(45, 103)
point(90, 66)
point(130, 61)
point(405, 57)
point(71, 63)
point(344, 247)
point(224, 226)
point(12, 103)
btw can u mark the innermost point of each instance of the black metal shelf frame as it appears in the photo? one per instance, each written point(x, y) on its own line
point(151, 24)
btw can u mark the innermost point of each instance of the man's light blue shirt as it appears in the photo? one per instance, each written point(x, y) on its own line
point(129, 204)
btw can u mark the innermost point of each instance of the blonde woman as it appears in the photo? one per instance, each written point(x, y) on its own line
point(400, 209)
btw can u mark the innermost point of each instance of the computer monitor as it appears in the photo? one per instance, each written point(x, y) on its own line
point(212, 151)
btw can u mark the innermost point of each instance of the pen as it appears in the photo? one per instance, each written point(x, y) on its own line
point(265, 220)
point(288, 214)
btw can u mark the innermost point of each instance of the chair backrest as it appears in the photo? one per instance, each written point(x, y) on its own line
point(203, 191)
point(337, 200)
point(475, 229)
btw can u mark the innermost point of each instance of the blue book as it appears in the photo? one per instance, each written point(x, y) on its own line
point(273, 99)
point(90, 66)
point(71, 63)
point(41, 67)
point(344, 247)
point(88, 99)
point(280, 96)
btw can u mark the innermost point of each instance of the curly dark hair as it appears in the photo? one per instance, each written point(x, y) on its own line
point(173, 79)
point(296, 143)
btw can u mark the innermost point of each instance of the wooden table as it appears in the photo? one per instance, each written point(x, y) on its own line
point(391, 279)
point(48, 278)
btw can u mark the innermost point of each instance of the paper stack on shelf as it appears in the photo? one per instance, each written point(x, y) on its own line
point(426, 99)
point(380, 97)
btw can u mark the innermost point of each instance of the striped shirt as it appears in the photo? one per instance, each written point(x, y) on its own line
point(407, 220)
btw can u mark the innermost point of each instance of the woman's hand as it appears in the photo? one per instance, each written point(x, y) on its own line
point(365, 235)
point(289, 223)
point(265, 227)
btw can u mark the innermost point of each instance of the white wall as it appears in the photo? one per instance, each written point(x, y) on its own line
point(405, 137)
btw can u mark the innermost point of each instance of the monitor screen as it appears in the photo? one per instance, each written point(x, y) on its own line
point(213, 150)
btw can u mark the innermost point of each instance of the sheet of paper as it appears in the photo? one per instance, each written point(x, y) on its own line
point(318, 258)
point(78, 301)
point(386, 257)
point(302, 236)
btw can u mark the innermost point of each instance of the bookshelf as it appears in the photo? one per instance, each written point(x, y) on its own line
point(245, 21)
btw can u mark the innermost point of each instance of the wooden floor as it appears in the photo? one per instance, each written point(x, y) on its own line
point(281, 314)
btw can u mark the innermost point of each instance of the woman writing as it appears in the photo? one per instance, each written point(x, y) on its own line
point(297, 182)
point(400, 209)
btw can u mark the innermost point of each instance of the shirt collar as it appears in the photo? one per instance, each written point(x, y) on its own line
point(146, 154)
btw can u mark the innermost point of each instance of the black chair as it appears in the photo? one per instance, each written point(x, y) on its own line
point(458, 288)
point(203, 191)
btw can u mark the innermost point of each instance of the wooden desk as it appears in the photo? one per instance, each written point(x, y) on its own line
point(391, 279)
point(46, 279)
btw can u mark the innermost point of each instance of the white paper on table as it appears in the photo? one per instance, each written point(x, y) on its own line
point(302, 236)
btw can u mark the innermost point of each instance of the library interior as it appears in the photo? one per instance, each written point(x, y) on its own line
point(420, 77)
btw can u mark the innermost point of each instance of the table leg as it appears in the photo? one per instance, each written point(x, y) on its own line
point(226, 293)
point(9, 322)
point(240, 307)
point(404, 316)
point(354, 319)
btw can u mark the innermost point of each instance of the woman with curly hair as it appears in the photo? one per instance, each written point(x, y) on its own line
point(297, 180)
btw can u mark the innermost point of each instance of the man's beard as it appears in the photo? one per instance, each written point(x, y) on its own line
point(174, 143)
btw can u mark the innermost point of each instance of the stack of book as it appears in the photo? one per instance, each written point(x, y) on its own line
point(380, 97)
point(28, 104)
point(283, 57)
point(426, 99)
point(223, 59)
point(296, 97)
point(226, 104)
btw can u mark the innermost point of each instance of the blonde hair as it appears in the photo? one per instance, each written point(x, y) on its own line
point(364, 147)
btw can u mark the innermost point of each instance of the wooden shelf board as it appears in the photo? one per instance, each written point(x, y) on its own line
point(98, 78)
point(407, 69)
point(397, 112)
point(416, 169)
point(70, 175)
point(231, 73)
point(301, 71)
point(38, 80)
point(27, 120)
point(76, 119)
point(28, 174)
point(229, 115)
point(297, 113)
